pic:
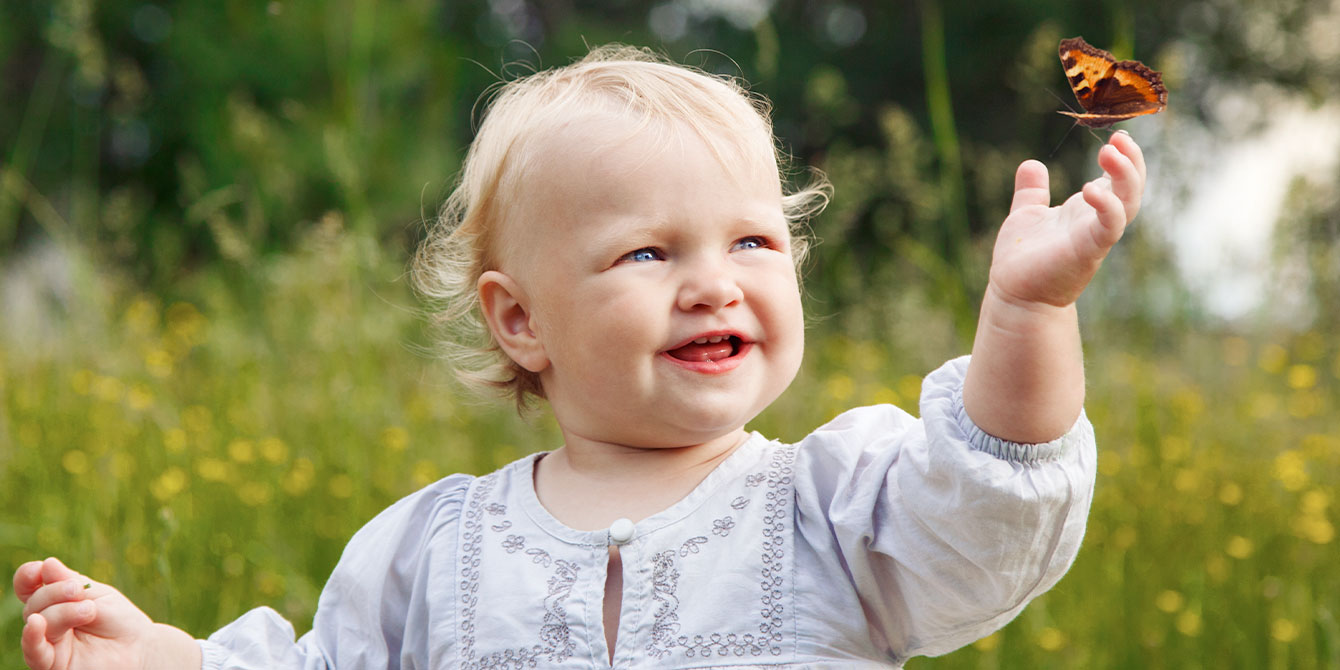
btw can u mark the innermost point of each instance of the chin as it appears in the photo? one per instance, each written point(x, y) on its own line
point(702, 427)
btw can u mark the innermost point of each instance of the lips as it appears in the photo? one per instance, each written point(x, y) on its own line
point(710, 353)
point(705, 349)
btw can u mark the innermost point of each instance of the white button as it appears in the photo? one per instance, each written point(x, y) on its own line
point(621, 531)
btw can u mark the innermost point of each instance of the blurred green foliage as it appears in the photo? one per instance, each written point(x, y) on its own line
point(209, 455)
point(216, 376)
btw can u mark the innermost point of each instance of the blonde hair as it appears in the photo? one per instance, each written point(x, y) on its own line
point(636, 83)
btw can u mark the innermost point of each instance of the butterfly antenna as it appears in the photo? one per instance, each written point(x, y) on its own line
point(1059, 98)
point(1058, 144)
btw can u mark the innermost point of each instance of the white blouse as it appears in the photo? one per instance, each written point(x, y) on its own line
point(876, 538)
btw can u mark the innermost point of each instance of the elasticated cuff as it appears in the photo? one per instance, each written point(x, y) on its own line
point(1015, 452)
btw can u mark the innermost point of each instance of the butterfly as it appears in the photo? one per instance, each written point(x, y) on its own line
point(1110, 90)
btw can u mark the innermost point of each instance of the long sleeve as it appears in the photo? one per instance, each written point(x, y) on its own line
point(941, 533)
point(365, 610)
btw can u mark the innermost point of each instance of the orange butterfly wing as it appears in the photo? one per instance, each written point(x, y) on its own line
point(1108, 89)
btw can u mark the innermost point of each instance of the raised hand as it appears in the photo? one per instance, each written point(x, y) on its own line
point(1046, 255)
point(74, 623)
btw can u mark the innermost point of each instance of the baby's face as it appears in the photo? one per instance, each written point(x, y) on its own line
point(660, 285)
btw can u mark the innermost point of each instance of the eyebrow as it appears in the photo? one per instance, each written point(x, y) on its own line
point(636, 228)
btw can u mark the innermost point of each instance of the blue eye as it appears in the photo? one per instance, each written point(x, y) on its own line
point(642, 255)
point(751, 242)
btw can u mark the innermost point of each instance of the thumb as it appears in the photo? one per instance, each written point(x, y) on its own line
point(1031, 187)
point(54, 571)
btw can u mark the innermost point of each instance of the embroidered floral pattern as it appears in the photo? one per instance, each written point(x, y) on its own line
point(554, 632)
point(556, 643)
point(539, 556)
point(779, 498)
point(691, 545)
point(730, 644)
point(665, 637)
point(471, 546)
point(723, 526)
point(665, 624)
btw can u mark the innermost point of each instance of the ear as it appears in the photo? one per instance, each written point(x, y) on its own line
point(506, 310)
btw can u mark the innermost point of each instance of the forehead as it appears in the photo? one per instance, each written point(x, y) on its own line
point(611, 161)
point(599, 142)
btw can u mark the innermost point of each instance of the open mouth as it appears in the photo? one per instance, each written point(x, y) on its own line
point(708, 349)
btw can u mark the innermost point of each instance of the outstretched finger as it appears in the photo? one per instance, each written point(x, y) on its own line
point(1127, 182)
point(27, 579)
point(1127, 145)
point(1031, 187)
point(54, 571)
point(65, 617)
point(38, 652)
point(69, 590)
point(1111, 212)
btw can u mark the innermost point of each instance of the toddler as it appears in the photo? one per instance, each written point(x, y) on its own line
point(623, 242)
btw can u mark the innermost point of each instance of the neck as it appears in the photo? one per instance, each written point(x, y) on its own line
point(588, 484)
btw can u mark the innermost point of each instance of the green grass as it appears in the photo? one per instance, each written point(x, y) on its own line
point(212, 452)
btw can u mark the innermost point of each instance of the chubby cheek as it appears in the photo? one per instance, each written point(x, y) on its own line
point(603, 333)
point(784, 321)
point(795, 345)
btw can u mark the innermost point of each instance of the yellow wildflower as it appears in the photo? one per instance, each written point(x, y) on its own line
point(184, 321)
point(1291, 470)
point(1301, 376)
point(1273, 358)
point(1316, 501)
point(988, 643)
point(1239, 547)
point(300, 478)
point(1051, 639)
point(1230, 494)
point(273, 450)
point(197, 419)
point(395, 438)
point(1188, 623)
point(174, 440)
point(886, 396)
point(75, 462)
point(254, 494)
point(158, 363)
point(168, 484)
point(108, 389)
point(840, 387)
point(1284, 630)
point(140, 398)
point(1315, 529)
point(213, 470)
point(141, 316)
point(340, 486)
point(1186, 480)
point(1169, 601)
point(241, 451)
point(424, 473)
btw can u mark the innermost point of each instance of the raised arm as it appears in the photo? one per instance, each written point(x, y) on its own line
point(1025, 382)
point(74, 623)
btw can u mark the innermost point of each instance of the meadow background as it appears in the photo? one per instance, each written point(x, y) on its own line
point(213, 370)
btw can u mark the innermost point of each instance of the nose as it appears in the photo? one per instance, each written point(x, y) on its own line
point(709, 285)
